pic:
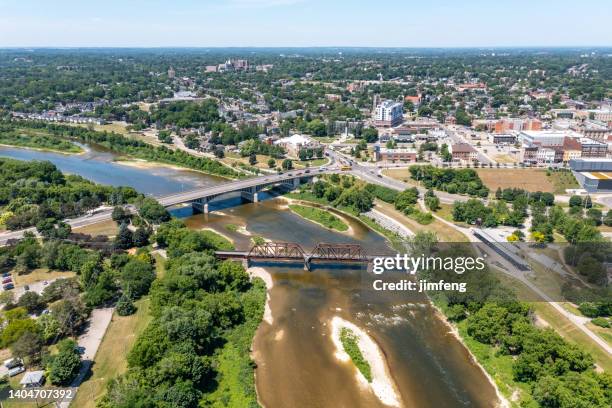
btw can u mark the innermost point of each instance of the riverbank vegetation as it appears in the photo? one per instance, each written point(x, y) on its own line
point(35, 192)
point(131, 147)
point(27, 138)
point(323, 217)
point(531, 365)
point(453, 181)
point(351, 347)
point(195, 350)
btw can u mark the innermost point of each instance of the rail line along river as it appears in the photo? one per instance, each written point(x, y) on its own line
point(296, 359)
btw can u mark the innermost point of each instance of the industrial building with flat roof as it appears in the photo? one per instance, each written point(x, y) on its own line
point(593, 174)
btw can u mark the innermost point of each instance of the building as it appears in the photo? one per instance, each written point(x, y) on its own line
point(33, 379)
point(477, 86)
point(295, 143)
point(594, 175)
point(517, 124)
point(463, 152)
point(506, 139)
point(545, 138)
point(415, 100)
point(593, 148)
point(171, 73)
point(333, 97)
point(210, 68)
point(264, 68)
point(596, 130)
point(394, 155)
point(546, 155)
point(602, 115)
point(389, 113)
point(572, 149)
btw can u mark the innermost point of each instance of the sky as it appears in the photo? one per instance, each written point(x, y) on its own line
point(305, 23)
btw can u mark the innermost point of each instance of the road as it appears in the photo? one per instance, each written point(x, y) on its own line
point(101, 214)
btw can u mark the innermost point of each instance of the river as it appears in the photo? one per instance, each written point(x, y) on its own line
point(295, 356)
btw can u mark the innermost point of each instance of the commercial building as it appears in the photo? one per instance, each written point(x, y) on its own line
point(388, 113)
point(463, 152)
point(295, 143)
point(594, 175)
point(572, 149)
point(545, 138)
point(394, 155)
point(516, 124)
point(507, 139)
point(593, 148)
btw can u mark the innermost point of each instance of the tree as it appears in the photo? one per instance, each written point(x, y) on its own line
point(32, 302)
point(287, 164)
point(28, 348)
point(575, 201)
point(137, 276)
point(120, 215)
point(125, 238)
point(125, 305)
point(370, 134)
point(70, 314)
point(271, 163)
point(49, 327)
point(64, 366)
point(153, 211)
point(432, 201)
point(252, 159)
point(141, 236)
point(608, 219)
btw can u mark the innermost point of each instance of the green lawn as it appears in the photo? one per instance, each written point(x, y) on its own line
point(110, 360)
point(323, 217)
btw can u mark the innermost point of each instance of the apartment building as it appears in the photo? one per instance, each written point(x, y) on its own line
point(388, 113)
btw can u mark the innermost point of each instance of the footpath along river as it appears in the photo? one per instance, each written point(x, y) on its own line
point(297, 365)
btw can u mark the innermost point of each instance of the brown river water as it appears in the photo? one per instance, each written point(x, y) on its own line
point(295, 355)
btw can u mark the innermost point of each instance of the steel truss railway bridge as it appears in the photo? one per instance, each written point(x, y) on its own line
point(290, 252)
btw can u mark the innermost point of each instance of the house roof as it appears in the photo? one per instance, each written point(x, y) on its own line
point(32, 377)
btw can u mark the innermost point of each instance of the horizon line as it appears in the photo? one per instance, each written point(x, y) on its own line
point(3, 47)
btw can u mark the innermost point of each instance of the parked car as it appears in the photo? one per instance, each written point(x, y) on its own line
point(12, 363)
point(17, 370)
point(6, 274)
point(8, 286)
point(7, 280)
point(26, 288)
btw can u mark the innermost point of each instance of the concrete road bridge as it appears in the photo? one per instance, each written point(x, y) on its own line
point(248, 188)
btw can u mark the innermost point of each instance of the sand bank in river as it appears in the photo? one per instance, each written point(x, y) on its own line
point(382, 384)
point(257, 272)
point(218, 233)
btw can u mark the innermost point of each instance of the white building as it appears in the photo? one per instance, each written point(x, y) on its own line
point(389, 113)
point(294, 143)
point(545, 155)
point(546, 138)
